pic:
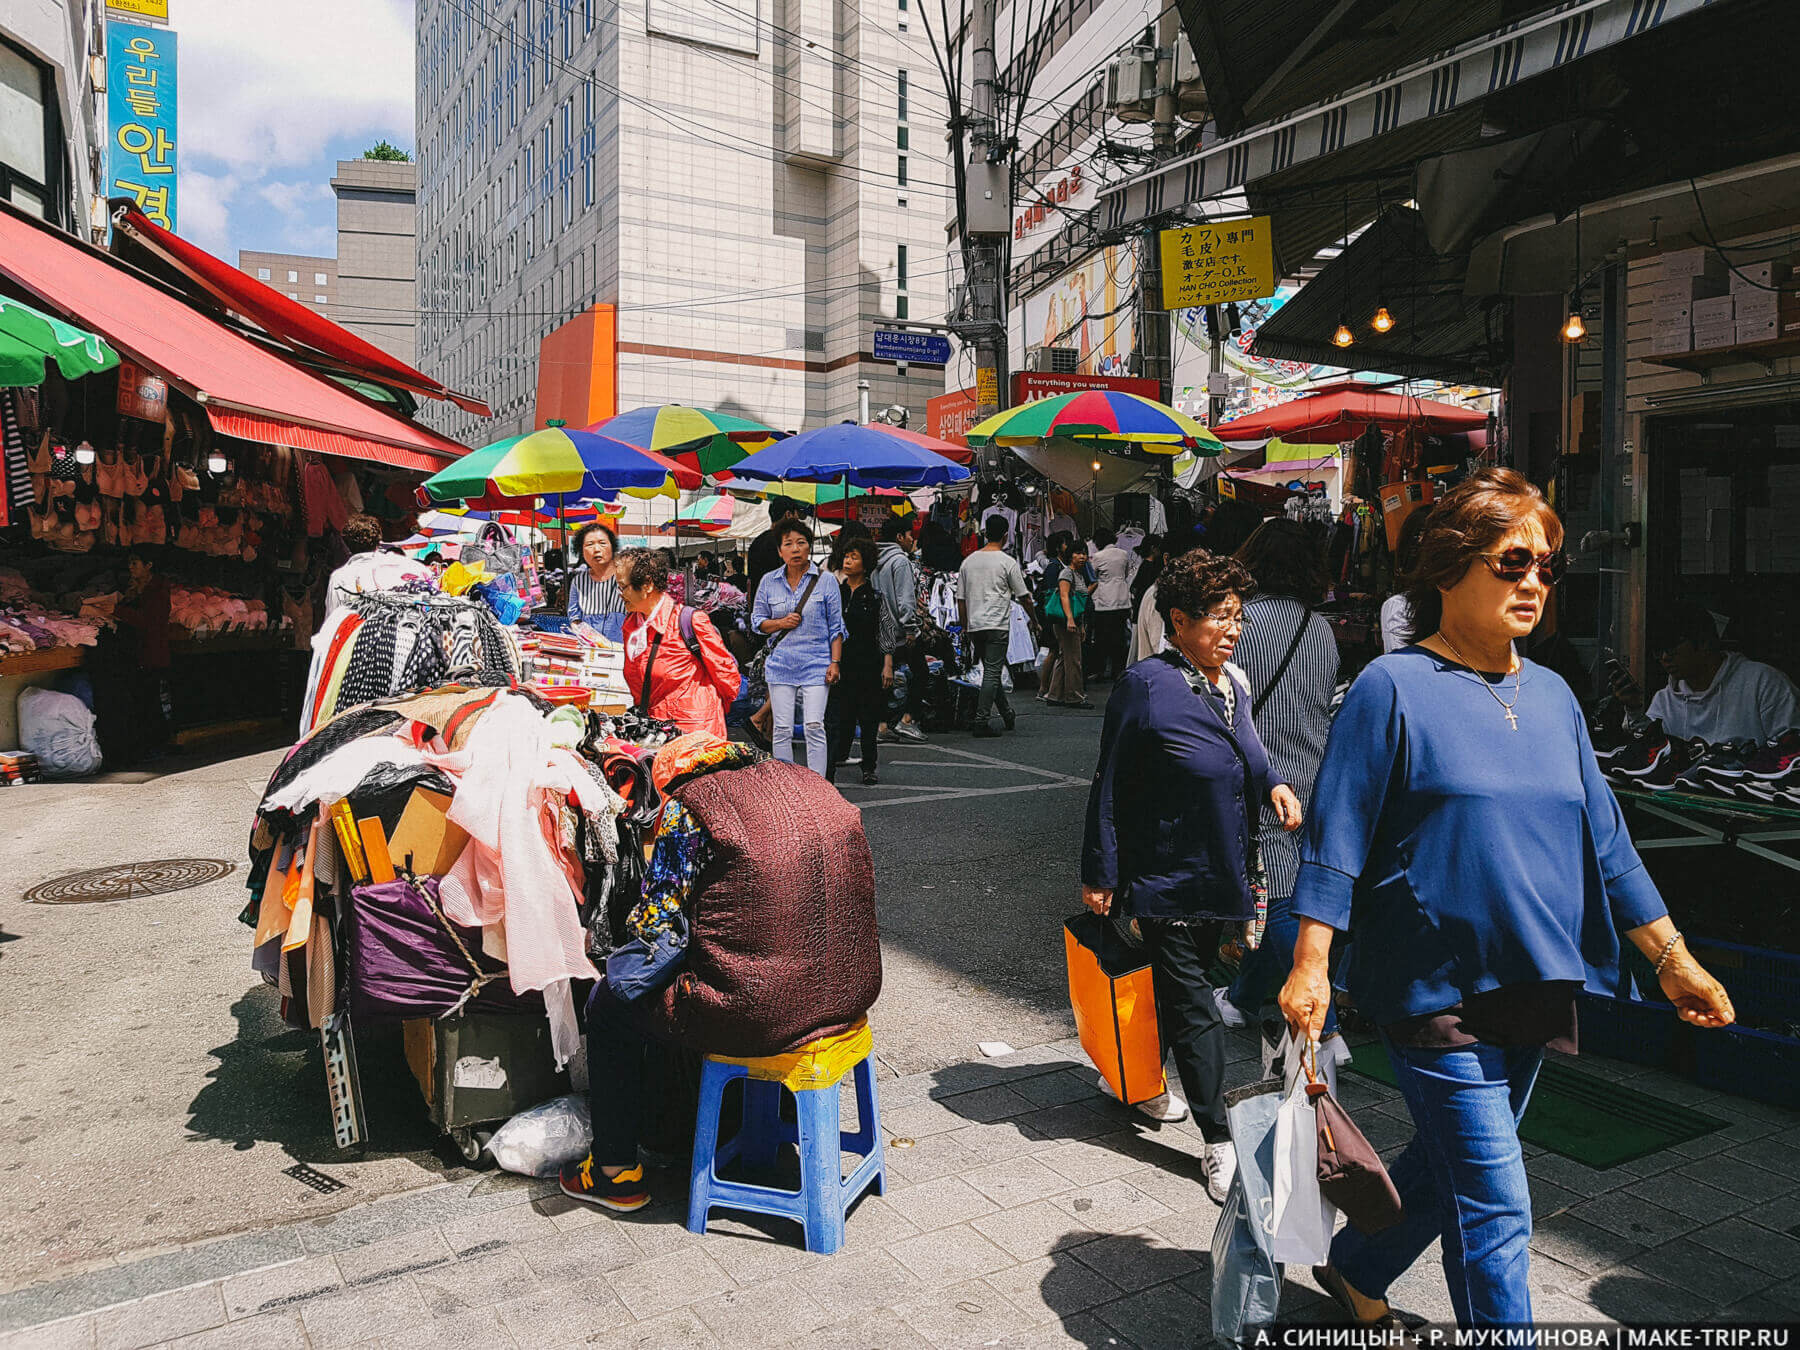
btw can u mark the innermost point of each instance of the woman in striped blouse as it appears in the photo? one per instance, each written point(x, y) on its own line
point(1290, 658)
point(593, 590)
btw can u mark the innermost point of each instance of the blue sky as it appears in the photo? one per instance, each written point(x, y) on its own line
point(273, 94)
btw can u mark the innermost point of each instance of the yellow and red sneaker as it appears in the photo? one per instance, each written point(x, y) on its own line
point(621, 1194)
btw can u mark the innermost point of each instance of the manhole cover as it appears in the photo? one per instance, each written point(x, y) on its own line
point(128, 882)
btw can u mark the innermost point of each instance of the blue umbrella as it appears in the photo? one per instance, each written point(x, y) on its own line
point(860, 456)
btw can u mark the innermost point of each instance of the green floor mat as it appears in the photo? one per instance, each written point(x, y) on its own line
point(1580, 1116)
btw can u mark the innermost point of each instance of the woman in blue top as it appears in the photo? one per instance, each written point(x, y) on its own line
point(1463, 837)
point(802, 611)
point(1171, 820)
point(593, 589)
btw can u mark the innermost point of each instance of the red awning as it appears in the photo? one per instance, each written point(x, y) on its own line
point(288, 321)
point(246, 389)
point(1343, 410)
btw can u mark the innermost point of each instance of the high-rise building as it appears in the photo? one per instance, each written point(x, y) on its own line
point(754, 190)
point(52, 113)
point(377, 216)
point(298, 276)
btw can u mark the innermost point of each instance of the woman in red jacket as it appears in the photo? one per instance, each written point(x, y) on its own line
point(691, 687)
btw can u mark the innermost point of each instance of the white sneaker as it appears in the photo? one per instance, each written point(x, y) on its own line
point(1166, 1108)
point(1220, 1165)
point(908, 731)
point(1228, 1011)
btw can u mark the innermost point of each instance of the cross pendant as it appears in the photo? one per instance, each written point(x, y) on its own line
point(1513, 718)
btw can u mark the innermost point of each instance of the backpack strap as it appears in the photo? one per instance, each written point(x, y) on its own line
point(685, 621)
point(1286, 661)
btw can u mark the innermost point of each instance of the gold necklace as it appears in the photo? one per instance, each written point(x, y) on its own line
point(1505, 707)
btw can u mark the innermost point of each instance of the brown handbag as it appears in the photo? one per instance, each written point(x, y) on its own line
point(1351, 1173)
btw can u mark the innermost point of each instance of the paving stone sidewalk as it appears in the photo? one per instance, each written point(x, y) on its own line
point(1028, 1212)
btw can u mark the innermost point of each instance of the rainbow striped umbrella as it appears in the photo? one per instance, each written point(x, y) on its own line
point(705, 441)
point(703, 515)
point(1099, 415)
point(557, 461)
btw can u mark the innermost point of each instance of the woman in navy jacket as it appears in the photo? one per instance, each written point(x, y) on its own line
point(1464, 838)
point(1172, 818)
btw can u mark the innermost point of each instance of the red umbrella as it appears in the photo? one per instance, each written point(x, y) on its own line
point(948, 449)
point(1343, 411)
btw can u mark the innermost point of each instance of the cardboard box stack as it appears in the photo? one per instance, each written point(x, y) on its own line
point(1756, 300)
point(1691, 278)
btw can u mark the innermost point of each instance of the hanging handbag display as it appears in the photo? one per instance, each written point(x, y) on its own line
point(1114, 1001)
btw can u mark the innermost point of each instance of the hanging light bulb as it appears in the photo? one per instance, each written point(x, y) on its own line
point(1383, 321)
point(1343, 337)
point(1573, 330)
point(84, 453)
point(217, 463)
point(1096, 466)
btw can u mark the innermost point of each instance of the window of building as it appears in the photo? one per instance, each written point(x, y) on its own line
point(900, 85)
point(293, 276)
point(902, 16)
point(320, 300)
point(900, 266)
point(903, 138)
point(900, 307)
point(900, 171)
point(568, 29)
point(318, 278)
point(293, 295)
point(262, 274)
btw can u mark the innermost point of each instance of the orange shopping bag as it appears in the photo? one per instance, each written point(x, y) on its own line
point(1115, 1007)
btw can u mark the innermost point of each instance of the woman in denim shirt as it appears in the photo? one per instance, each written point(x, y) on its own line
point(802, 612)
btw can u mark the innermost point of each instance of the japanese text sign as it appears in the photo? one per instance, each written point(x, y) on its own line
point(141, 127)
point(1218, 262)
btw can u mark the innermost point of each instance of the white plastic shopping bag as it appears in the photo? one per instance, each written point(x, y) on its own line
point(1302, 1219)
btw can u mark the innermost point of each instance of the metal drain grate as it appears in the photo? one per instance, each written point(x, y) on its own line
point(129, 882)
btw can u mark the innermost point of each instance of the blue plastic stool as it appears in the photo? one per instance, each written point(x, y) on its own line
point(813, 1074)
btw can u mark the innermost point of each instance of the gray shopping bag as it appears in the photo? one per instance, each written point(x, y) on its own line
point(1246, 1281)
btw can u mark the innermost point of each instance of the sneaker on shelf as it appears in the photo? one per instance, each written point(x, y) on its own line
point(1167, 1107)
point(1665, 775)
point(622, 1194)
point(1642, 756)
point(908, 731)
point(1775, 759)
point(1220, 1166)
point(1228, 1011)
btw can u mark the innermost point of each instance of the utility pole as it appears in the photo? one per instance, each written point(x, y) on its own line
point(1154, 338)
point(987, 216)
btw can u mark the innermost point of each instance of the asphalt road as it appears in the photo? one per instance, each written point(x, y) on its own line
point(152, 1096)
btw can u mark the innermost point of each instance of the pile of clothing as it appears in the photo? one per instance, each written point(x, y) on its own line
point(208, 609)
point(31, 627)
point(386, 642)
point(441, 850)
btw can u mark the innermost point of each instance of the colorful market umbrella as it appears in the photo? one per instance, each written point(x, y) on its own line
point(703, 515)
point(858, 456)
point(705, 441)
point(1098, 415)
point(557, 461)
point(29, 337)
point(1343, 410)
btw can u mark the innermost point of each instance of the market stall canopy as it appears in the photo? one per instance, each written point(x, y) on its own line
point(29, 337)
point(704, 440)
point(304, 331)
point(861, 456)
point(1070, 464)
point(1342, 411)
point(247, 390)
point(1098, 415)
point(704, 515)
point(557, 461)
point(748, 520)
point(1437, 333)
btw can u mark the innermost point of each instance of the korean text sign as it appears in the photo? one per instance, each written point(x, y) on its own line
point(1219, 262)
point(141, 130)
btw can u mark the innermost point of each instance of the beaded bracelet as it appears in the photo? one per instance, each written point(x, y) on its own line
point(1663, 960)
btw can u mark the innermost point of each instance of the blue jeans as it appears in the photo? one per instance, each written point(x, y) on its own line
point(1266, 969)
point(1462, 1179)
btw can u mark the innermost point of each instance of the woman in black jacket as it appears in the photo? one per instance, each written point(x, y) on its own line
point(858, 700)
point(1170, 822)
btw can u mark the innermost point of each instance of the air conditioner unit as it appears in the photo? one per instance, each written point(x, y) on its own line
point(1131, 85)
point(1053, 360)
point(1191, 100)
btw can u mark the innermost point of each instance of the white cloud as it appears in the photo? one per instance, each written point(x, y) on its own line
point(290, 198)
point(205, 205)
point(266, 85)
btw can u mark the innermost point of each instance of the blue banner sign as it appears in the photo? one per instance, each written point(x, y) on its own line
point(925, 349)
point(140, 104)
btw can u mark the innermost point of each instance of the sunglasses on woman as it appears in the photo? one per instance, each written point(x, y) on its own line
point(1515, 564)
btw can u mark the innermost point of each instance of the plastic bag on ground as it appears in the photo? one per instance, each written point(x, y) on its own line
point(542, 1141)
point(59, 730)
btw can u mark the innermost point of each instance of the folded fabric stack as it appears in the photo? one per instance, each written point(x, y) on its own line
point(31, 627)
point(568, 660)
point(18, 766)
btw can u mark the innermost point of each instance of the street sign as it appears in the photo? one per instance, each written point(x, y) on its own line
point(925, 349)
point(1217, 263)
point(141, 11)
